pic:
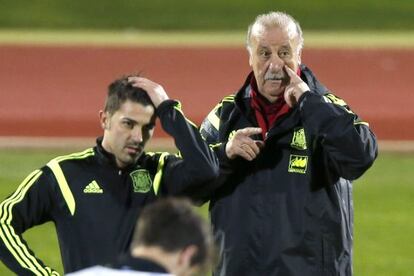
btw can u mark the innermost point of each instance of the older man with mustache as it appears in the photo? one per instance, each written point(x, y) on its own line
point(288, 150)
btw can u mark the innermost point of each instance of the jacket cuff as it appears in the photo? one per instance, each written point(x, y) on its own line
point(166, 105)
point(302, 97)
point(226, 164)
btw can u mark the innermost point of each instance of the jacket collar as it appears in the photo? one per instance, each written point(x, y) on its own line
point(127, 262)
point(314, 85)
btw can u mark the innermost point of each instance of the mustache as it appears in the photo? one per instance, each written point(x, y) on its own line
point(281, 75)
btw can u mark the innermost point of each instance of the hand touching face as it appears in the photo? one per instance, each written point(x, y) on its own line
point(295, 89)
point(272, 50)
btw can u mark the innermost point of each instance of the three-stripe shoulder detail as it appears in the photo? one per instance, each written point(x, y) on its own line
point(78, 155)
point(159, 173)
point(213, 116)
point(10, 239)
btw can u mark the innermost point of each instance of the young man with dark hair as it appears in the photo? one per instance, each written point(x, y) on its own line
point(170, 238)
point(94, 197)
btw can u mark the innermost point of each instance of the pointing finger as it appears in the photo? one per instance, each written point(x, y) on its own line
point(248, 131)
point(292, 74)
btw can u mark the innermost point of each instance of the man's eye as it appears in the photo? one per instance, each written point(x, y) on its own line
point(128, 124)
point(264, 54)
point(283, 54)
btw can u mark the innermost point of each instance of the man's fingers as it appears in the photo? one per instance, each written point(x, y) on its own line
point(247, 151)
point(294, 78)
point(248, 146)
point(289, 98)
point(259, 144)
point(140, 82)
point(254, 147)
point(132, 79)
point(244, 146)
point(245, 156)
point(154, 90)
point(291, 73)
point(135, 79)
point(248, 131)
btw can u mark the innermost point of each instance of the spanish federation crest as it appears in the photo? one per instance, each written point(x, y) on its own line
point(141, 180)
point(299, 139)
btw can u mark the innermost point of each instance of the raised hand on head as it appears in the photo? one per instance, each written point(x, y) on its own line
point(154, 90)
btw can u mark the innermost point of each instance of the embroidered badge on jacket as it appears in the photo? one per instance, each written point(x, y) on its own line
point(299, 139)
point(298, 164)
point(141, 180)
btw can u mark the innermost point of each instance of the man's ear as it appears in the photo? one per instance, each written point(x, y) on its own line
point(103, 119)
point(250, 59)
point(187, 255)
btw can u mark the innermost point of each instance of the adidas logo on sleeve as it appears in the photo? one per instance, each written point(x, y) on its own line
point(93, 188)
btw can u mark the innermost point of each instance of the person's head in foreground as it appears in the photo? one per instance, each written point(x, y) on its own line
point(171, 233)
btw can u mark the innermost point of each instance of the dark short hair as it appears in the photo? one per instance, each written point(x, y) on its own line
point(173, 225)
point(120, 90)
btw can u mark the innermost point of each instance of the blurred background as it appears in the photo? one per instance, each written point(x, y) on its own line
point(58, 57)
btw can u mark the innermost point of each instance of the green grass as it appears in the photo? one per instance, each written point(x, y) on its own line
point(203, 15)
point(383, 200)
point(384, 224)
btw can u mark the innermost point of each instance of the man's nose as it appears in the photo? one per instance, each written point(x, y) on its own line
point(136, 134)
point(276, 63)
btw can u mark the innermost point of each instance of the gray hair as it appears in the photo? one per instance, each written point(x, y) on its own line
point(275, 19)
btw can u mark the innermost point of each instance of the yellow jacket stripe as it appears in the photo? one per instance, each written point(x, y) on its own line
point(61, 179)
point(361, 123)
point(212, 117)
point(158, 175)
point(63, 185)
point(212, 146)
point(78, 155)
point(12, 241)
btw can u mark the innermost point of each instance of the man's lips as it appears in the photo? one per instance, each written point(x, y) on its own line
point(133, 149)
point(277, 81)
point(274, 82)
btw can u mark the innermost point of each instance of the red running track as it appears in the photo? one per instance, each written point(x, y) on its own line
point(58, 91)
